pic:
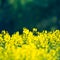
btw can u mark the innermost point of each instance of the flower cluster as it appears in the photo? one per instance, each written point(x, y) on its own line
point(31, 45)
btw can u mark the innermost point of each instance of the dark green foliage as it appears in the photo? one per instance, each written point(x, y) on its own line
point(16, 14)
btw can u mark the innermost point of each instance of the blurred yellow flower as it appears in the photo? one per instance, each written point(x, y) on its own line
point(27, 46)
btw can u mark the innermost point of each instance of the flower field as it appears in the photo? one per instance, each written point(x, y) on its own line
point(31, 45)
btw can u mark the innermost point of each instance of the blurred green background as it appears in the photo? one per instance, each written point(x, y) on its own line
point(42, 14)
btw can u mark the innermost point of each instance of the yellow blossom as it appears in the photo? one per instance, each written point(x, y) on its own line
point(27, 46)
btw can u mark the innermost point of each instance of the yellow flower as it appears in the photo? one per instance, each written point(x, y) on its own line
point(7, 37)
point(44, 46)
point(34, 29)
point(1, 39)
point(52, 52)
point(3, 32)
point(25, 30)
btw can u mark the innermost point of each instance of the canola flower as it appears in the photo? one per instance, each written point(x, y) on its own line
point(31, 45)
